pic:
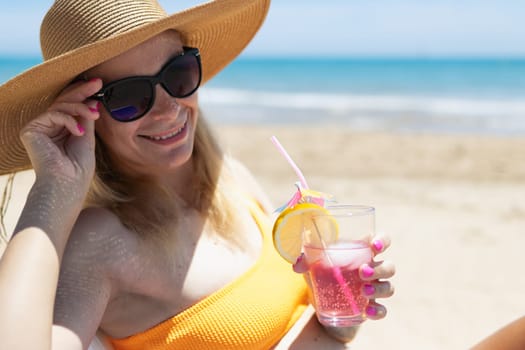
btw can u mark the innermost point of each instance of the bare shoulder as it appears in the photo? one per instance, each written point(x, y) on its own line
point(89, 275)
point(98, 239)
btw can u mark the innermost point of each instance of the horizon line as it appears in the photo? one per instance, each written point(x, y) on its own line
point(270, 56)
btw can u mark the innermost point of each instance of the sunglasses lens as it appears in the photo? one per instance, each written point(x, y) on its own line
point(128, 100)
point(182, 77)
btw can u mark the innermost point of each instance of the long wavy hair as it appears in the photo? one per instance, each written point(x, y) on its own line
point(4, 204)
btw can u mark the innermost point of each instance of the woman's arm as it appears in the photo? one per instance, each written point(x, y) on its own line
point(510, 337)
point(30, 305)
point(60, 144)
point(30, 265)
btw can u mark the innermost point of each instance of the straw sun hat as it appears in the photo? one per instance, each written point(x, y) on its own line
point(79, 34)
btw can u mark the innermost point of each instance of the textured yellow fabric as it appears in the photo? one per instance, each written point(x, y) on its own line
point(253, 312)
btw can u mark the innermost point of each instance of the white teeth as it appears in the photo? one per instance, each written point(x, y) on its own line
point(165, 137)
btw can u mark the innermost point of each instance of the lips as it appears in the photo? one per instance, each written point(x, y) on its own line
point(166, 136)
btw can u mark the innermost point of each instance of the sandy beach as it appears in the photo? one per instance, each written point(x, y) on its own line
point(452, 205)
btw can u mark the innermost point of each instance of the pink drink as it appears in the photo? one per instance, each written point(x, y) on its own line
point(336, 286)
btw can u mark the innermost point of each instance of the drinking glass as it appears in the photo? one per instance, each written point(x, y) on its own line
point(335, 244)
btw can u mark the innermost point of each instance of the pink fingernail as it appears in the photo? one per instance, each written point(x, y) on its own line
point(378, 245)
point(371, 311)
point(80, 128)
point(369, 289)
point(93, 79)
point(93, 106)
point(367, 271)
point(300, 265)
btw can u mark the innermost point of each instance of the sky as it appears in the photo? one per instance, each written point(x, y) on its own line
point(365, 28)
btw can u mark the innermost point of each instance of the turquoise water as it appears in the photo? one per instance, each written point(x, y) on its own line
point(446, 77)
point(438, 95)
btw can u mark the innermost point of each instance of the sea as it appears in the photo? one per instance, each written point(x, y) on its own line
point(436, 95)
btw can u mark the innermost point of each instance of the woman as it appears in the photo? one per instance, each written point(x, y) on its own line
point(152, 235)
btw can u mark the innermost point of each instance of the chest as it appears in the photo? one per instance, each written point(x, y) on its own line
point(160, 283)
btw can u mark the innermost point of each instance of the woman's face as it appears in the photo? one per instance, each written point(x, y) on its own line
point(162, 141)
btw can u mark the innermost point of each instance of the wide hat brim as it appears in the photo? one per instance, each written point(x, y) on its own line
point(220, 29)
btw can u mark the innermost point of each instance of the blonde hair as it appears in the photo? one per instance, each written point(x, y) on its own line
point(131, 199)
point(4, 204)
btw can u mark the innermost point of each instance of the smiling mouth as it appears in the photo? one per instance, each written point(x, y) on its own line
point(167, 136)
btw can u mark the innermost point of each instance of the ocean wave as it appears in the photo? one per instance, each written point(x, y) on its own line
point(369, 112)
point(353, 103)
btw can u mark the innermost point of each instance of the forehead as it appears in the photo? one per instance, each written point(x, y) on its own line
point(144, 59)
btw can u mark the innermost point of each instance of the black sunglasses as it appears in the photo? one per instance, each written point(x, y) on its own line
point(130, 98)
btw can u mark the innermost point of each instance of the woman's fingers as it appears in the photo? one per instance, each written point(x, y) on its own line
point(300, 265)
point(373, 273)
point(70, 114)
point(376, 270)
point(74, 100)
point(380, 243)
point(55, 141)
point(50, 124)
point(377, 289)
point(87, 110)
point(44, 137)
point(80, 91)
point(375, 311)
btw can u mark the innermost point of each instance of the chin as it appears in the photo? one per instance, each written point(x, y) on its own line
point(181, 157)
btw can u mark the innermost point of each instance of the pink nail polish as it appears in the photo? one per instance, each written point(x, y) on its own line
point(367, 271)
point(378, 245)
point(80, 128)
point(94, 108)
point(300, 265)
point(369, 289)
point(371, 311)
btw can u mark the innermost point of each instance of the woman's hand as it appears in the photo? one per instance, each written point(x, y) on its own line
point(374, 274)
point(374, 287)
point(61, 141)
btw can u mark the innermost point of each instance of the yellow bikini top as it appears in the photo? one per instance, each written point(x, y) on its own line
point(252, 312)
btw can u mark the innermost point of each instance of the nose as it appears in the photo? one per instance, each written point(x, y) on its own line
point(164, 105)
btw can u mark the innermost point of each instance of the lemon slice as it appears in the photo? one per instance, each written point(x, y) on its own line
point(298, 221)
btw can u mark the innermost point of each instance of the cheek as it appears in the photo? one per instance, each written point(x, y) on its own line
point(103, 127)
point(111, 132)
point(191, 102)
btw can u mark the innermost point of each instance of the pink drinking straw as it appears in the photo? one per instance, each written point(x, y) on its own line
point(290, 161)
point(335, 269)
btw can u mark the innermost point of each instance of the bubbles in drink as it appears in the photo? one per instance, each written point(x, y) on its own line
point(334, 272)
